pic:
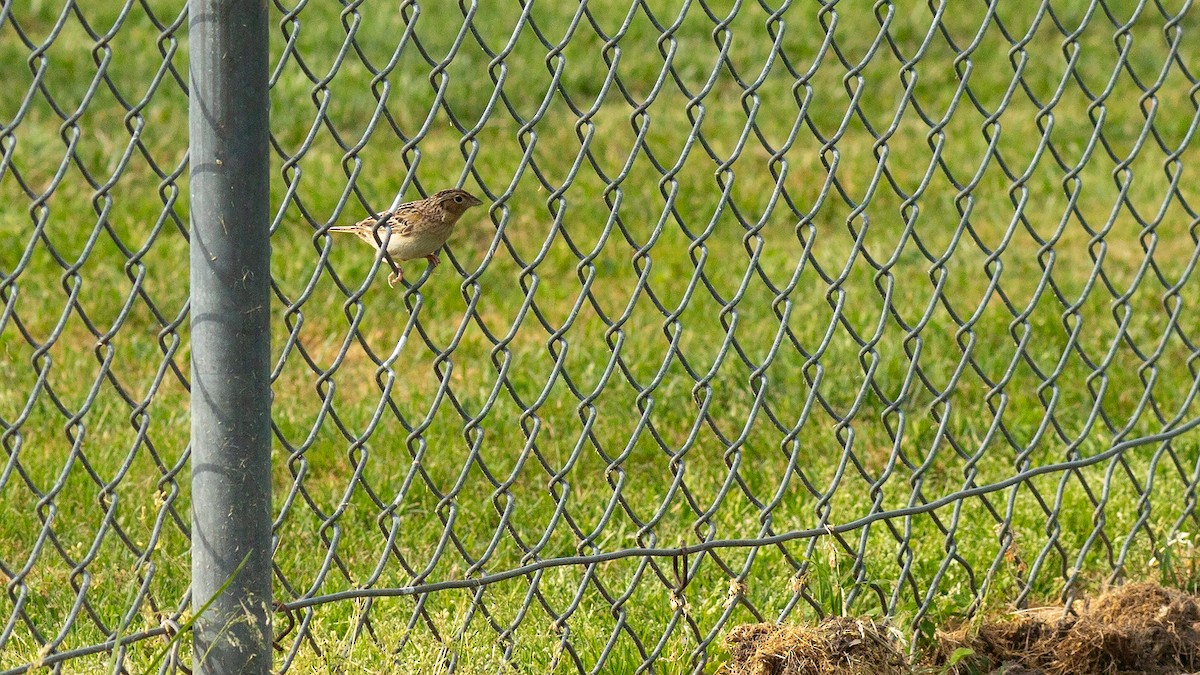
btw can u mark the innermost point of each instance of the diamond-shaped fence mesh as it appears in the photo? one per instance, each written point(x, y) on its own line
point(774, 310)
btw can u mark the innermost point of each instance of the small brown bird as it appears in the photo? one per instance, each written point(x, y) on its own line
point(418, 229)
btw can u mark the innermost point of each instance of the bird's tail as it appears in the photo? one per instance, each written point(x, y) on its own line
point(344, 228)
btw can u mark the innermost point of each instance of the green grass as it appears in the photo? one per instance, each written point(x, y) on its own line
point(567, 354)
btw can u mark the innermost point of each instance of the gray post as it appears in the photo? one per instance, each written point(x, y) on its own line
point(231, 351)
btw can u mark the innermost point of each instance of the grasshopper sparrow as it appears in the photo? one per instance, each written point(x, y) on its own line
point(418, 229)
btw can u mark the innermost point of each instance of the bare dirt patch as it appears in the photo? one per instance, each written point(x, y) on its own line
point(836, 645)
point(1137, 628)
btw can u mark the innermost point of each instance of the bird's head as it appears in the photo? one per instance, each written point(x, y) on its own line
point(455, 201)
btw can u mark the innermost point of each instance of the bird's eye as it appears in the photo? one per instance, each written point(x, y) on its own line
point(458, 198)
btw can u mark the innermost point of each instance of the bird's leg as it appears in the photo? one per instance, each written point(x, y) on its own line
point(397, 273)
point(433, 259)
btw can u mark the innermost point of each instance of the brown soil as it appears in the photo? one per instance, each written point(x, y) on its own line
point(1138, 628)
point(836, 645)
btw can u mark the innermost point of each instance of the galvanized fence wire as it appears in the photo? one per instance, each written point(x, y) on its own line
point(460, 563)
point(33, 198)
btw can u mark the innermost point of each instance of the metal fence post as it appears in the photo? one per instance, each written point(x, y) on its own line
point(230, 303)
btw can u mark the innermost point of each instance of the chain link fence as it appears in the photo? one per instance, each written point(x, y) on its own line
point(774, 310)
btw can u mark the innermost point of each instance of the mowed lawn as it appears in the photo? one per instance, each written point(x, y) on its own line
point(799, 279)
